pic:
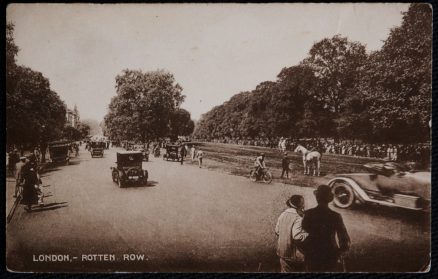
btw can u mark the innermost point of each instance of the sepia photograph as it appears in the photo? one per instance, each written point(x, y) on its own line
point(242, 138)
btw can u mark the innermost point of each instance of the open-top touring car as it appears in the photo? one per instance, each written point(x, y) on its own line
point(388, 184)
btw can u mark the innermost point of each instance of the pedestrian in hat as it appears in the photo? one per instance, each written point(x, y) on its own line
point(30, 186)
point(322, 251)
point(290, 234)
point(200, 155)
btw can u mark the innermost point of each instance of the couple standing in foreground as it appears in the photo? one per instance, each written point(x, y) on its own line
point(307, 240)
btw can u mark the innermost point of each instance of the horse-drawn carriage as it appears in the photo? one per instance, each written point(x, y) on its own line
point(96, 148)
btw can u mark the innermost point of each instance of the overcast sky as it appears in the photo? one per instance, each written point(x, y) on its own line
point(213, 50)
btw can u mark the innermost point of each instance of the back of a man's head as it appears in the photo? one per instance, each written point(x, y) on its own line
point(323, 194)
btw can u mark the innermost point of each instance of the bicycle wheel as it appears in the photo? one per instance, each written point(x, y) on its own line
point(252, 176)
point(267, 177)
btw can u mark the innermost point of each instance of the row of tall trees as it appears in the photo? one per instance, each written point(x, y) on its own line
point(340, 91)
point(147, 107)
point(35, 114)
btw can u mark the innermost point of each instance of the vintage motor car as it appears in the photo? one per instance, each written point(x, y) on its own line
point(129, 169)
point(388, 184)
point(96, 148)
point(143, 150)
point(173, 152)
point(59, 152)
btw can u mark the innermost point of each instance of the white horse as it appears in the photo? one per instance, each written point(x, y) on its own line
point(310, 158)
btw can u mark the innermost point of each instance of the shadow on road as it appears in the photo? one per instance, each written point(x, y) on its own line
point(74, 163)
point(50, 206)
point(49, 169)
point(410, 216)
point(151, 184)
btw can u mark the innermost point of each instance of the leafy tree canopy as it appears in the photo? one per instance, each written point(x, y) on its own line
point(145, 105)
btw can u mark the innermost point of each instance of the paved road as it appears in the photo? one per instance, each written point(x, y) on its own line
point(187, 219)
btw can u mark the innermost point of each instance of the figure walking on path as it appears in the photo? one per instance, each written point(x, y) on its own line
point(285, 165)
point(31, 191)
point(322, 251)
point(182, 154)
point(193, 152)
point(200, 155)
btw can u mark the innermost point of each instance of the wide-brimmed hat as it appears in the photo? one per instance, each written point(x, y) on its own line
point(292, 200)
point(323, 193)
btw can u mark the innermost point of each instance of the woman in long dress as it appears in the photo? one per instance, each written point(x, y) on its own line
point(30, 186)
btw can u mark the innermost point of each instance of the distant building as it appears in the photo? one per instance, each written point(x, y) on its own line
point(72, 117)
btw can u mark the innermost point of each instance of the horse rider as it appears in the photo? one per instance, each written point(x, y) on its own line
point(259, 164)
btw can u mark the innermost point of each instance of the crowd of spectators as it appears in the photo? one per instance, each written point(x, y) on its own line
point(395, 152)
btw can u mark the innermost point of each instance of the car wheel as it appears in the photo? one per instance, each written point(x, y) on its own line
point(115, 177)
point(267, 177)
point(343, 195)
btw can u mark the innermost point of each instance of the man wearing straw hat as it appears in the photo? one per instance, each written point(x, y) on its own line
point(290, 235)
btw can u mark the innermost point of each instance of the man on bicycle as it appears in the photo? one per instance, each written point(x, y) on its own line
point(259, 164)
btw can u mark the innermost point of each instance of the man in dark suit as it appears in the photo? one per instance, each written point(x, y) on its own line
point(285, 165)
point(182, 153)
point(321, 250)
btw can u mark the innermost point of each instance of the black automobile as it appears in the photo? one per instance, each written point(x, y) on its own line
point(173, 152)
point(96, 148)
point(129, 169)
point(59, 152)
